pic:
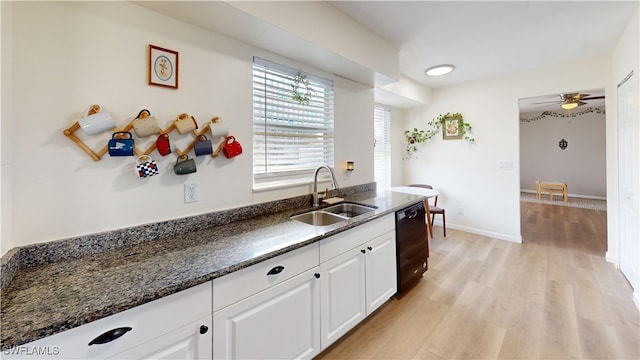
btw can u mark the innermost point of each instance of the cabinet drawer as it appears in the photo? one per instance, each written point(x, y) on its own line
point(243, 283)
point(146, 321)
point(191, 342)
point(339, 243)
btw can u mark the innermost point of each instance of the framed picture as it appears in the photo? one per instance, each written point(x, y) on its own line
point(452, 128)
point(163, 67)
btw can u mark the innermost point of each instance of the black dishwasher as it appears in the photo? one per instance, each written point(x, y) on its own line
point(411, 245)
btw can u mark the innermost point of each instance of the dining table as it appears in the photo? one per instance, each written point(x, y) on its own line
point(428, 193)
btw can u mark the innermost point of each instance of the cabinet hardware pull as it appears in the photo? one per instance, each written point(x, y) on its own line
point(110, 335)
point(276, 270)
point(317, 275)
point(369, 248)
point(363, 251)
point(203, 329)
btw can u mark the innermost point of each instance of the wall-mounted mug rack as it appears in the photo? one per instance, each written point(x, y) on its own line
point(220, 130)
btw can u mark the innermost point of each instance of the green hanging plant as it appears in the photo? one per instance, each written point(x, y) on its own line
point(300, 89)
point(455, 127)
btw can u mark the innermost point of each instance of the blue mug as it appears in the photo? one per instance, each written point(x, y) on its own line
point(119, 146)
point(203, 146)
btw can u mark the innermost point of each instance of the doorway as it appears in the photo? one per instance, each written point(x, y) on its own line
point(563, 140)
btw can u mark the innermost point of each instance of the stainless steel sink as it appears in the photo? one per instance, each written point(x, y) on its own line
point(332, 214)
point(348, 210)
point(319, 218)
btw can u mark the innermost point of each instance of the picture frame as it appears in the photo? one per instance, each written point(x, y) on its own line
point(452, 128)
point(163, 67)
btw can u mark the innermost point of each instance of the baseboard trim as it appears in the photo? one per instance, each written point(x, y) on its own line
point(499, 236)
point(569, 195)
point(614, 260)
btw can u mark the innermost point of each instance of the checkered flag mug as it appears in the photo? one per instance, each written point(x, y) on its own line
point(146, 166)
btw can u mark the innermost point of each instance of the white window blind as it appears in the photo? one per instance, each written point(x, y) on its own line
point(382, 150)
point(289, 139)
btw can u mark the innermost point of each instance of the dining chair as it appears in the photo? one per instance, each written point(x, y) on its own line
point(434, 209)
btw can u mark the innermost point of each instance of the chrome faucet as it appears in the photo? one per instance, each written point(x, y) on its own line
point(334, 183)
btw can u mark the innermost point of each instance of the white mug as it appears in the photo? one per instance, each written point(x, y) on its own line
point(146, 126)
point(186, 123)
point(96, 123)
point(218, 129)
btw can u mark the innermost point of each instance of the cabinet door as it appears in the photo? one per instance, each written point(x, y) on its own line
point(193, 341)
point(343, 294)
point(281, 322)
point(381, 270)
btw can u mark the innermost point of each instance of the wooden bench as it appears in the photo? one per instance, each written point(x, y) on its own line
point(551, 188)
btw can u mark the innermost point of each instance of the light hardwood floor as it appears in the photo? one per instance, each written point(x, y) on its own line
point(552, 297)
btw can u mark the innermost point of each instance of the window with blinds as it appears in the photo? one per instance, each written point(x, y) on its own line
point(382, 150)
point(290, 139)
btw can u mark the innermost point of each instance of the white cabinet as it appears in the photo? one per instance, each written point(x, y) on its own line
point(357, 281)
point(161, 319)
point(382, 279)
point(191, 342)
point(343, 294)
point(281, 322)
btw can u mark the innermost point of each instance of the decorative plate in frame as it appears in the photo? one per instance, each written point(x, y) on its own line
point(452, 127)
point(163, 67)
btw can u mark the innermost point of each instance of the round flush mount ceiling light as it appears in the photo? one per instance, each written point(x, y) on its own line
point(439, 70)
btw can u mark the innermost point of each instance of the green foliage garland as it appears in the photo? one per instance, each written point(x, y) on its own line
point(417, 136)
point(300, 80)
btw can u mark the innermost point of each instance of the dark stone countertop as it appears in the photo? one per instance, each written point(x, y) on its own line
point(48, 298)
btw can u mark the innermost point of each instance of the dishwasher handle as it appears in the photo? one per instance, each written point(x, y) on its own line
point(410, 212)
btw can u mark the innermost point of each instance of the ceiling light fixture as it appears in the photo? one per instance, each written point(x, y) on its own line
point(569, 104)
point(439, 70)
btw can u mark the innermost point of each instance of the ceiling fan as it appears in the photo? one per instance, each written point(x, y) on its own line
point(572, 101)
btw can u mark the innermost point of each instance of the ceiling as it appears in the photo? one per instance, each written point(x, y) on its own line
point(484, 39)
point(480, 38)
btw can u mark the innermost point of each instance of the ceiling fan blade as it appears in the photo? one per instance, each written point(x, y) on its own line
point(547, 102)
point(571, 96)
point(592, 98)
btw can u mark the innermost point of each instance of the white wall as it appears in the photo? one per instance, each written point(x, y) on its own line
point(69, 55)
point(581, 165)
point(467, 175)
point(5, 126)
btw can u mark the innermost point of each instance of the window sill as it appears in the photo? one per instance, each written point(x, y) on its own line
point(284, 184)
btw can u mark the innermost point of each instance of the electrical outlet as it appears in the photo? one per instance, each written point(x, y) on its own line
point(191, 192)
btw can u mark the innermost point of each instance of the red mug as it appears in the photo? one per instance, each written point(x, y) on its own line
point(163, 144)
point(231, 148)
